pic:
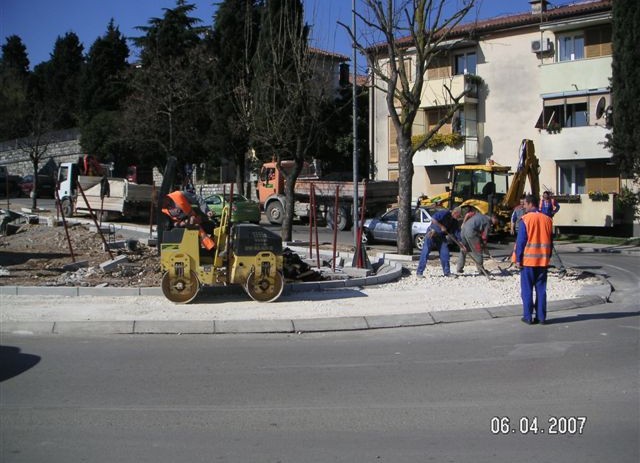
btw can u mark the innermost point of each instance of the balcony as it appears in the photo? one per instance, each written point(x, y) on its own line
point(579, 74)
point(434, 93)
point(574, 143)
point(466, 153)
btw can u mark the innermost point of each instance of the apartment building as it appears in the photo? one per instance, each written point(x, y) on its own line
point(545, 76)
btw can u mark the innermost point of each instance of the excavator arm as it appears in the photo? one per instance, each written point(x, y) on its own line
point(528, 167)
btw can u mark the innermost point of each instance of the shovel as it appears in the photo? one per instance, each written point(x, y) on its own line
point(503, 272)
point(462, 246)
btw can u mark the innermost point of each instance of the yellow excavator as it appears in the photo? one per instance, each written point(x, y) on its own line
point(486, 188)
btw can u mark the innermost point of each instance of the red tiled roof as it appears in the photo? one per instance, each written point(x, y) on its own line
point(328, 54)
point(520, 20)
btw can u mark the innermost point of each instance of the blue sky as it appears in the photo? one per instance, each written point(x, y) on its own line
point(40, 22)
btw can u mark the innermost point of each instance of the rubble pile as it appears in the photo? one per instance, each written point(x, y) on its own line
point(296, 269)
point(38, 255)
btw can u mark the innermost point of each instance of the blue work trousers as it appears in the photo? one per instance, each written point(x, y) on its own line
point(530, 278)
point(436, 243)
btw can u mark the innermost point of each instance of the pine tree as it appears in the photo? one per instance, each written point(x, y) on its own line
point(103, 91)
point(14, 76)
point(61, 80)
point(170, 36)
point(165, 114)
point(624, 140)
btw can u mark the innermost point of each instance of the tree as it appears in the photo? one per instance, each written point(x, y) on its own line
point(170, 36)
point(164, 111)
point(335, 145)
point(624, 141)
point(103, 88)
point(424, 29)
point(285, 116)
point(233, 44)
point(103, 92)
point(39, 122)
point(14, 76)
point(61, 80)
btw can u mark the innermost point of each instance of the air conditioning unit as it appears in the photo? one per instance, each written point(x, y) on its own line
point(541, 46)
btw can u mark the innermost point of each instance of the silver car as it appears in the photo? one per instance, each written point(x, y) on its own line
point(385, 228)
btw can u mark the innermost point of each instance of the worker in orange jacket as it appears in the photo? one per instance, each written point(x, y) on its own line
point(178, 208)
point(532, 255)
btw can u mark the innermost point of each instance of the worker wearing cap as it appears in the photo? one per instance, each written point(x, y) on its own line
point(443, 223)
point(532, 256)
point(177, 206)
point(475, 233)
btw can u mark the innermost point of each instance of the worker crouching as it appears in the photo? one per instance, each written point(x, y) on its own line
point(475, 233)
point(178, 208)
point(444, 223)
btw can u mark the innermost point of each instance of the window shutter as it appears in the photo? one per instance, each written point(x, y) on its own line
point(393, 146)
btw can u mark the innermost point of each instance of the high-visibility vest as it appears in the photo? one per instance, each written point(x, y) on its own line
point(537, 251)
point(184, 205)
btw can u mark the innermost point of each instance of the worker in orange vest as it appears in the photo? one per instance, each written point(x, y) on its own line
point(532, 255)
point(178, 208)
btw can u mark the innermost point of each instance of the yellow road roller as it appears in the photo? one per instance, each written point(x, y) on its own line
point(245, 254)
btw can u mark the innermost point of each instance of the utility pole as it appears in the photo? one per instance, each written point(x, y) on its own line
point(356, 216)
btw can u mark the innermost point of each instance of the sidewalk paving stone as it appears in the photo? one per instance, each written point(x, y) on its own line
point(254, 326)
point(174, 327)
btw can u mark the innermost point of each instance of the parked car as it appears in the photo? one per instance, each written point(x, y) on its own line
point(46, 186)
point(385, 228)
point(8, 183)
point(242, 209)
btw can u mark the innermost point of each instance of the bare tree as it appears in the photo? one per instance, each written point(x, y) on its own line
point(397, 34)
point(164, 111)
point(285, 113)
point(36, 144)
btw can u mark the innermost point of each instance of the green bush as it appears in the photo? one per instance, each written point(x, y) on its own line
point(438, 140)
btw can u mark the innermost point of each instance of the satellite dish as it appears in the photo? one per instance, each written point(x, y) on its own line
point(600, 107)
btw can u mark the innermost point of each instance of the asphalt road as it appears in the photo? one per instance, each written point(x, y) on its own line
point(438, 393)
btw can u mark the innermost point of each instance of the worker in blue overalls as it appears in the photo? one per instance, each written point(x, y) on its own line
point(443, 223)
point(532, 256)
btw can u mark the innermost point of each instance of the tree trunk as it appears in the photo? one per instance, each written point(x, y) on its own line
point(240, 165)
point(287, 222)
point(405, 243)
point(34, 189)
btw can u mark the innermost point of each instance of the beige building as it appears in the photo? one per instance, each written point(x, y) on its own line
point(546, 77)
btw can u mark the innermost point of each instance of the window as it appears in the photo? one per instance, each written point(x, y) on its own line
point(465, 63)
point(576, 115)
point(597, 41)
point(572, 111)
point(571, 47)
point(571, 177)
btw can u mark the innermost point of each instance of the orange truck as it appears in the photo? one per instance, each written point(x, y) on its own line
point(270, 187)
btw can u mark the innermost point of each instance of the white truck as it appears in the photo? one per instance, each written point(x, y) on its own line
point(125, 199)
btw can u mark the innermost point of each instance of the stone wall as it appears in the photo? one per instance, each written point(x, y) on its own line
point(66, 148)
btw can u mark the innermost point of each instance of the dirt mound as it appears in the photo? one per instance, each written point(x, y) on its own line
point(38, 255)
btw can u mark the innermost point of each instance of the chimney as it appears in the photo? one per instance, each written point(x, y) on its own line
point(538, 6)
point(344, 74)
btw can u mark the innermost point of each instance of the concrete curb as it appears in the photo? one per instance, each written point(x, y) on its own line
point(309, 325)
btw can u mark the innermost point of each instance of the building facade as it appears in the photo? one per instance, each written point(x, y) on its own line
point(545, 77)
